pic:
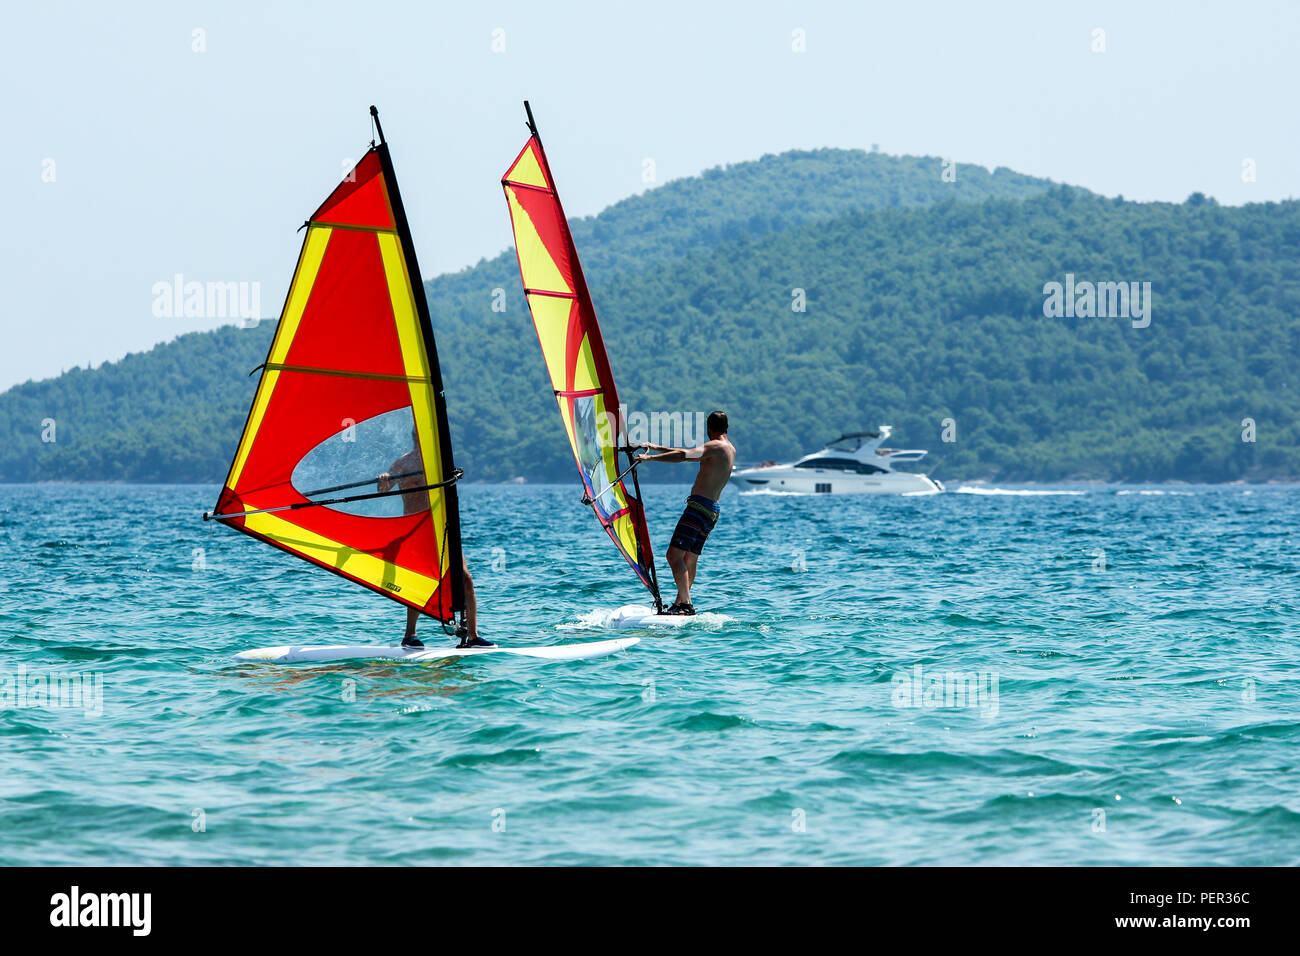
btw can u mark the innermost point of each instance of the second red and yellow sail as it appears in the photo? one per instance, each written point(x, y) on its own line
point(574, 351)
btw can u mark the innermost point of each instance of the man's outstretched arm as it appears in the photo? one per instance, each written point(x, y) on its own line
point(672, 454)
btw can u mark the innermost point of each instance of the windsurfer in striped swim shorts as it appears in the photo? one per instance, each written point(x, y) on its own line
point(716, 456)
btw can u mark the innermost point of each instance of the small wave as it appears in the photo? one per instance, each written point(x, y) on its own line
point(711, 721)
point(514, 755)
point(770, 493)
point(1016, 492)
point(1154, 491)
point(600, 617)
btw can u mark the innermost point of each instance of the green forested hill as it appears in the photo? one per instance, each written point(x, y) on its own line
point(739, 202)
point(172, 414)
point(915, 316)
point(919, 308)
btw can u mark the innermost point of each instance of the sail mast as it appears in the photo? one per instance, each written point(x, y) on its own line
point(456, 557)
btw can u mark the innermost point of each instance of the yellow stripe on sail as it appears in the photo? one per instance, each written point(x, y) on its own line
point(416, 364)
point(527, 171)
point(551, 316)
point(584, 372)
point(304, 279)
point(566, 416)
point(411, 585)
point(625, 530)
point(538, 269)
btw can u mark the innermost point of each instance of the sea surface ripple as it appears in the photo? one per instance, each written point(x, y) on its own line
point(1136, 649)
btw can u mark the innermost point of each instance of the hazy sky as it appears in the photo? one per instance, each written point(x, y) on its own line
point(169, 160)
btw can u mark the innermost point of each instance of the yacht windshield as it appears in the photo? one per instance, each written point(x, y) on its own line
point(841, 464)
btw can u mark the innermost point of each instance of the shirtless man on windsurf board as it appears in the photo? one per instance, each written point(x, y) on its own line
point(716, 456)
point(410, 471)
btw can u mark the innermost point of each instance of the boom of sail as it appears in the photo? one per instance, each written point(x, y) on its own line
point(351, 386)
point(574, 350)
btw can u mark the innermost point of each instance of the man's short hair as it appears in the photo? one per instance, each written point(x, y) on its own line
point(717, 423)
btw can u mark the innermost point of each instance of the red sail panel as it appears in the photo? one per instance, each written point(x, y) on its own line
point(353, 344)
point(574, 351)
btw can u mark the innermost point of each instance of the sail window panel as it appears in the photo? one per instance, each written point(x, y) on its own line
point(361, 450)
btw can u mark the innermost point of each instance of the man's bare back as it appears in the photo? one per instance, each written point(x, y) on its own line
point(717, 456)
point(716, 461)
point(412, 467)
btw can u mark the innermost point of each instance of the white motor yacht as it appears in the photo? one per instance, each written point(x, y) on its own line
point(853, 464)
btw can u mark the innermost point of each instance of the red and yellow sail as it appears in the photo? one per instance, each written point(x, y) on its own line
point(354, 342)
point(574, 351)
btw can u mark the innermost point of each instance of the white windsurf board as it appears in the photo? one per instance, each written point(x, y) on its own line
point(638, 615)
point(317, 653)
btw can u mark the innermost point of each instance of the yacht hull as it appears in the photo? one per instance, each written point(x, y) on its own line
point(804, 481)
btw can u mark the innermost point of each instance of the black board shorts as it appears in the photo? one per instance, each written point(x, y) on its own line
point(696, 522)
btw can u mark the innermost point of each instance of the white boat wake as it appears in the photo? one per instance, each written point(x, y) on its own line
point(639, 615)
point(1018, 492)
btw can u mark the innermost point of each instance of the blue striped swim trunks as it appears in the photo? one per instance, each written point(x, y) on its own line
point(696, 522)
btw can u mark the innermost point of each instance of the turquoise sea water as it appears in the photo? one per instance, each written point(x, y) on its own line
point(1144, 644)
